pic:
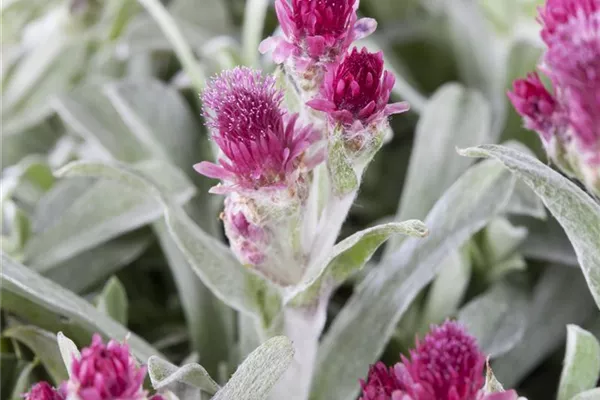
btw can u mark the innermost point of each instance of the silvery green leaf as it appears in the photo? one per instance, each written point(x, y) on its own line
point(93, 266)
point(18, 144)
point(162, 374)
point(365, 324)
point(577, 212)
point(581, 366)
point(108, 209)
point(252, 31)
point(453, 116)
point(113, 302)
point(547, 241)
point(593, 394)
point(350, 255)
point(143, 35)
point(210, 259)
point(497, 319)
point(558, 298)
point(24, 381)
point(208, 319)
point(448, 289)
point(68, 350)
point(209, 14)
point(43, 344)
point(29, 295)
point(255, 377)
point(343, 177)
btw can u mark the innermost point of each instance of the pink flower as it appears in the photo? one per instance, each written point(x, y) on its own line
point(445, 365)
point(106, 372)
point(43, 391)
point(357, 91)
point(556, 13)
point(316, 31)
point(535, 104)
point(263, 147)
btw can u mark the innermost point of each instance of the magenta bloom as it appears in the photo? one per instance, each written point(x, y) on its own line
point(106, 372)
point(316, 31)
point(43, 391)
point(358, 90)
point(263, 146)
point(556, 13)
point(246, 239)
point(536, 104)
point(445, 365)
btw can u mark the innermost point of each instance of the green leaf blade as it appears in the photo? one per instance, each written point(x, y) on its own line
point(581, 367)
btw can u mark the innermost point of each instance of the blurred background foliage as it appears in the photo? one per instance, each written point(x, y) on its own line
point(98, 79)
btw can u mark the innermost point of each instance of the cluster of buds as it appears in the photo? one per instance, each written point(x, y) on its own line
point(446, 365)
point(103, 372)
point(267, 153)
point(567, 117)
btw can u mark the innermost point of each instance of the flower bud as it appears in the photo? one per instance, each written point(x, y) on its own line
point(106, 372)
point(355, 97)
point(43, 391)
point(569, 120)
point(316, 33)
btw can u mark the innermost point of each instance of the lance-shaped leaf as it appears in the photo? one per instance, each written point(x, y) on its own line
point(350, 255)
point(68, 350)
point(581, 367)
point(39, 300)
point(43, 344)
point(576, 211)
point(105, 211)
point(364, 326)
point(163, 373)
point(113, 300)
point(593, 394)
point(210, 259)
point(497, 319)
point(258, 373)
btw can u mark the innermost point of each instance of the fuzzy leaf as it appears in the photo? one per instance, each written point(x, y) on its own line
point(113, 301)
point(364, 326)
point(497, 319)
point(581, 367)
point(342, 174)
point(108, 209)
point(38, 299)
point(350, 255)
point(576, 211)
point(593, 394)
point(558, 298)
point(44, 346)
point(258, 373)
point(68, 350)
point(210, 259)
point(163, 373)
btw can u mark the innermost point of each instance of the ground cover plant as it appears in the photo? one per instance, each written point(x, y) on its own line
point(300, 199)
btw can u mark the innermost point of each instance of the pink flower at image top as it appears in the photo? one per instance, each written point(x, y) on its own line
point(357, 91)
point(263, 146)
point(446, 365)
point(106, 371)
point(571, 32)
point(316, 31)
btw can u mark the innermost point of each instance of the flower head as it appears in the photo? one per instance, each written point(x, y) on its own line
point(381, 384)
point(357, 91)
point(535, 104)
point(316, 31)
point(445, 365)
point(262, 146)
point(43, 391)
point(556, 13)
point(106, 372)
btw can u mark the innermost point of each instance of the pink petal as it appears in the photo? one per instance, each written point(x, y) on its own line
point(363, 28)
point(212, 170)
point(396, 108)
point(321, 105)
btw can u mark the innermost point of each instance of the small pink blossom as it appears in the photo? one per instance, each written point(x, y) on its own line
point(106, 372)
point(247, 240)
point(535, 104)
point(316, 31)
point(43, 391)
point(263, 146)
point(357, 91)
point(445, 365)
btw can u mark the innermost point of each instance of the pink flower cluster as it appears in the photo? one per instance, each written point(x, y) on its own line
point(445, 365)
point(104, 372)
point(568, 115)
